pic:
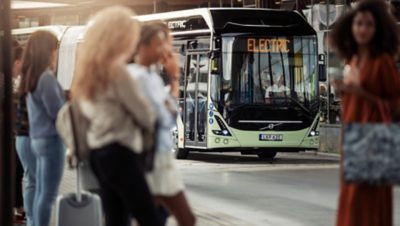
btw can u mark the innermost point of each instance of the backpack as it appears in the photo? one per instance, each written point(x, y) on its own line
point(75, 139)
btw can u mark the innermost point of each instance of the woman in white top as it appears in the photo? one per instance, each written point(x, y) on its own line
point(165, 183)
point(118, 115)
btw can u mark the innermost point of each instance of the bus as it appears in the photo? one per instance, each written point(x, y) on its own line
point(250, 80)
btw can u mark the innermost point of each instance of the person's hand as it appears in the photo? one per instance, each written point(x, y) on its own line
point(351, 82)
point(351, 73)
point(171, 64)
point(175, 89)
point(351, 87)
point(71, 161)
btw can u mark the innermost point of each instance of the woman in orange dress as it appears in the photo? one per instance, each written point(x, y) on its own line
point(366, 38)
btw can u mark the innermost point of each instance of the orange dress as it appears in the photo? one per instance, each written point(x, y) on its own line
point(363, 205)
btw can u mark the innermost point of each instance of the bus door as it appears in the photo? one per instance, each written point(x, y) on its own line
point(195, 120)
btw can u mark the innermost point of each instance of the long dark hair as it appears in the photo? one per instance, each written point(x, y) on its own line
point(386, 38)
point(37, 57)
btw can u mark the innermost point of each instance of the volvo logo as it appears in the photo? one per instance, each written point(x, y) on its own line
point(271, 126)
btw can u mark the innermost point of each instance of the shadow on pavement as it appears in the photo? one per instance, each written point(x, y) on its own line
point(281, 158)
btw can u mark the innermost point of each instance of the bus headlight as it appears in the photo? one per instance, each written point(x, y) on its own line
point(313, 131)
point(223, 129)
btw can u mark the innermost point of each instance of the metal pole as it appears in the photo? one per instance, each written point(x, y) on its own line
point(154, 6)
point(6, 155)
point(327, 64)
point(220, 3)
point(312, 13)
point(231, 3)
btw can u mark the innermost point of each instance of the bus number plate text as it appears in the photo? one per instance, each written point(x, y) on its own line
point(271, 137)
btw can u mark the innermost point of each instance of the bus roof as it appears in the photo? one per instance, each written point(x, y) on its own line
point(57, 30)
point(233, 20)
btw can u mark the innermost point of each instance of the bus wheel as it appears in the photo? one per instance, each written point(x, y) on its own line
point(182, 153)
point(267, 155)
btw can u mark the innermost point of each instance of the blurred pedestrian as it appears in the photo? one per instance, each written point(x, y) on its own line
point(367, 39)
point(45, 97)
point(118, 114)
point(25, 161)
point(155, 46)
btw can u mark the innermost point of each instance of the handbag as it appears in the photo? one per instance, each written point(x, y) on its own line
point(371, 152)
point(148, 155)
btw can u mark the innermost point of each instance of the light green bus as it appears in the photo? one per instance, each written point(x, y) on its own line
point(250, 81)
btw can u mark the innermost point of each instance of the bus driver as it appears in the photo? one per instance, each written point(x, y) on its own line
point(278, 89)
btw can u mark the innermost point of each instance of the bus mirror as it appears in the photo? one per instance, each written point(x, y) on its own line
point(215, 57)
point(322, 72)
point(215, 66)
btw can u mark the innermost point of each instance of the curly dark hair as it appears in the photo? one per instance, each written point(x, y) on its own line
point(386, 39)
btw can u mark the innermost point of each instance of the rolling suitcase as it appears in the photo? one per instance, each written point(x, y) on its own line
point(79, 209)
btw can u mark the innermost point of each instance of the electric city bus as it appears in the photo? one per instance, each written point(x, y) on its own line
point(250, 80)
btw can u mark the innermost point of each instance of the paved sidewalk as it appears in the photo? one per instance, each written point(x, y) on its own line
point(205, 217)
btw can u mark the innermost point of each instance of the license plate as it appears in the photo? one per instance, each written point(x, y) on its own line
point(271, 137)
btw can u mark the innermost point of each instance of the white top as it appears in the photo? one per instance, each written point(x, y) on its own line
point(120, 114)
point(153, 86)
point(275, 89)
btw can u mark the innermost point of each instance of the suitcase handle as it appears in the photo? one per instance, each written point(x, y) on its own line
point(78, 183)
point(74, 133)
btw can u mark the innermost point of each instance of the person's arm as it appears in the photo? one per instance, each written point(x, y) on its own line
point(129, 93)
point(352, 88)
point(170, 63)
point(387, 78)
point(51, 94)
point(267, 98)
point(351, 82)
point(389, 82)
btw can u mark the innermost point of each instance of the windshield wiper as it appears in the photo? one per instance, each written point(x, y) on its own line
point(248, 105)
point(298, 103)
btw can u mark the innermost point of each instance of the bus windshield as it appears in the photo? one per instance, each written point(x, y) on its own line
point(269, 70)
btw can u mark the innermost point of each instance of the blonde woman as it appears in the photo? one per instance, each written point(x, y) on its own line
point(118, 115)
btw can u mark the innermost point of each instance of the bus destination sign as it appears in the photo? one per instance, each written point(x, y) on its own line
point(187, 24)
point(177, 24)
point(268, 45)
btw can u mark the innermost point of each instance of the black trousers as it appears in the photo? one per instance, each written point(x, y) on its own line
point(124, 190)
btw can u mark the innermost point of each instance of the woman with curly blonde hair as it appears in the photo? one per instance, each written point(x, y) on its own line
point(118, 116)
